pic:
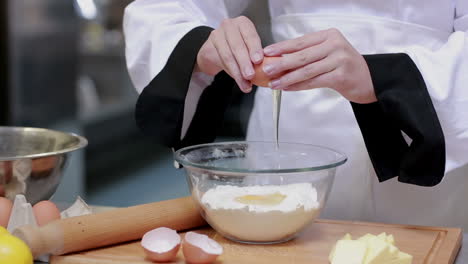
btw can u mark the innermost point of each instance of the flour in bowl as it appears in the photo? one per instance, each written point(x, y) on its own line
point(265, 213)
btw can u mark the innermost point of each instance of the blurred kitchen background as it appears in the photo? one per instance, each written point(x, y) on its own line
point(62, 66)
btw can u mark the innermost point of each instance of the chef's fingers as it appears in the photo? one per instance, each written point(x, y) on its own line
point(251, 39)
point(304, 73)
point(228, 60)
point(238, 48)
point(297, 59)
point(320, 81)
point(293, 45)
point(208, 60)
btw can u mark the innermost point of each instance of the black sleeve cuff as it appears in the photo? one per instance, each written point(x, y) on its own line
point(210, 111)
point(404, 104)
point(159, 110)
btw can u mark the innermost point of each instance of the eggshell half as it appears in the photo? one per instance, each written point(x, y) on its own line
point(261, 78)
point(161, 244)
point(45, 212)
point(5, 211)
point(200, 249)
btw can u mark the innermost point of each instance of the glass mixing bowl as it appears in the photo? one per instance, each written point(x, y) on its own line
point(254, 192)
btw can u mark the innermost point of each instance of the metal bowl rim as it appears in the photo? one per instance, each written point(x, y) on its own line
point(82, 142)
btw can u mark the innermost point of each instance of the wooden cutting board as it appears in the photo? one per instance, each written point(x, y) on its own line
point(428, 245)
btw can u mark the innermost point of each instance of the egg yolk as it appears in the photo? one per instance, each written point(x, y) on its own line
point(267, 199)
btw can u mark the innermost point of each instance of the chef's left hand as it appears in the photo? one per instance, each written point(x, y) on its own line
point(321, 59)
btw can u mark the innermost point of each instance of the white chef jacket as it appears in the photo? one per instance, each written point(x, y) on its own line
point(434, 33)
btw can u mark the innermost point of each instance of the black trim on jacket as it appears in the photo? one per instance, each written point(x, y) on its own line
point(404, 104)
point(160, 107)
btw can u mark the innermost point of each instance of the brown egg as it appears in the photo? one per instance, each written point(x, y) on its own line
point(8, 169)
point(200, 249)
point(7, 174)
point(261, 78)
point(161, 244)
point(43, 166)
point(45, 212)
point(5, 211)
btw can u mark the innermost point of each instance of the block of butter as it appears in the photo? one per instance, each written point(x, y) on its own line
point(368, 249)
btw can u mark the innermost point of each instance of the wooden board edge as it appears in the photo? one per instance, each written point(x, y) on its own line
point(387, 225)
point(450, 246)
point(70, 259)
point(83, 259)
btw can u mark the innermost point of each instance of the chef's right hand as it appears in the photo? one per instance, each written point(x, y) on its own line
point(233, 47)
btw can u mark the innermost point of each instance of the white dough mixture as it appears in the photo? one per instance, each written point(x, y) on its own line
point(266, 213)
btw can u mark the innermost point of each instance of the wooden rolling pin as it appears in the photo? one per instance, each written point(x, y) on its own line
point(111, 227)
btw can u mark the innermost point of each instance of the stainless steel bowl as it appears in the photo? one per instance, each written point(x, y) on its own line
point(32, 161)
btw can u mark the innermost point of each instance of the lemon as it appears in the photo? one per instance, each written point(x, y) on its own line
point(3, 231)
point(14, 251)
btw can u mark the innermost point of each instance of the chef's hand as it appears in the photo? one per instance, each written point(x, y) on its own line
point(321, 59)
point(232, 47)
